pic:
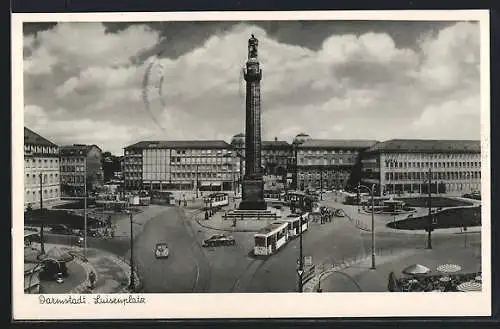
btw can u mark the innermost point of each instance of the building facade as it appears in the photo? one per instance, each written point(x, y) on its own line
point(277, 160)
point(403, 166)
point(79, 164)
point(328, 163)
point(180, 165)
point(41, 170)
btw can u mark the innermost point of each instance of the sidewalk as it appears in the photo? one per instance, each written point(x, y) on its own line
point(362, 220)
point(369, 280)
point(139, 219)
point(112, 273)
point(217, 222)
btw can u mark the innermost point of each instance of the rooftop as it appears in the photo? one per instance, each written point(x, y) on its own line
point(271, 227)
point(76, 149)
point(427, 145)
point(338, 143)
point(32, 138)
point(275, 143)
point(181, 144)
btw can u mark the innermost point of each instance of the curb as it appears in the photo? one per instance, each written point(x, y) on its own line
point(312, 284)
point(84, 287)
point(224, 229)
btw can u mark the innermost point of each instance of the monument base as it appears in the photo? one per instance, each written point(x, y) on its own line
point(252, 195)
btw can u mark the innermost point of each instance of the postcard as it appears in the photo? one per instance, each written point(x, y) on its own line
point(251, 164)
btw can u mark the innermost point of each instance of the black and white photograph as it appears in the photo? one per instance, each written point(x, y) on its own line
point(284, 163)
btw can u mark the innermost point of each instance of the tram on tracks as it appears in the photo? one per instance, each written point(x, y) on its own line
point(216, 200)
point(293, 221)
point(271, 238)
point(277, 234)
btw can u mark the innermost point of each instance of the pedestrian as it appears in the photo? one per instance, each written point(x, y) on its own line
point(92, 278)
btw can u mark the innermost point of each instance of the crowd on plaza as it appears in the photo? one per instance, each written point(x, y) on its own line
point(428, 283)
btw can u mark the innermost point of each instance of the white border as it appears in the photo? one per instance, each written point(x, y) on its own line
point(27, 307)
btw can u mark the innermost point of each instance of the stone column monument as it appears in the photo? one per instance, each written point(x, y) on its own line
point(253, 185)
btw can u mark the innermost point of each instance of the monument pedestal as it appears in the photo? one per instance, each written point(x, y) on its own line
point(252, 195)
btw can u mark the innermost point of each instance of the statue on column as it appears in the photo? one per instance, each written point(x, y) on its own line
point(253, 43)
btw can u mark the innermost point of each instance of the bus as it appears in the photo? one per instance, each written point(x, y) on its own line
point(293, 221)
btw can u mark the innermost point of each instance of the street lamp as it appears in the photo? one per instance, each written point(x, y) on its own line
point(429, 219)
point(301, 260)
point(42, 225)
point(132, 275)
point(371, 190)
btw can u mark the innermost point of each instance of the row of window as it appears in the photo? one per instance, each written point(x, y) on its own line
point(435, 175)
point(189, 175)
point(426, 156)
point(318, 152)
point(34, 196)
point(448, 164)
point(187, 167)
point(41, 163)
point(76, 169)
point(326, 175)
point(73, 179)
point(73, 160)
point(277, 152)
point(41, 149)
point(325, 162)
point(186, 160)
point(163, 152)
point(450, 187)
point(34, 179)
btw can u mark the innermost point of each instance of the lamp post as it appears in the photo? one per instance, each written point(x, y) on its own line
point(42, 219)
point(85, 210)
point(196, 185)
point(301, 260)
point(429, 220)
point(321, 184)
point(132, 274)
point(371, 190)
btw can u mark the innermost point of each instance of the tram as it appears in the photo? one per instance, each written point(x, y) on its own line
point(271, 238)
point(216, 200)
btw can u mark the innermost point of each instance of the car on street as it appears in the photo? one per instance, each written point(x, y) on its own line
point(162, 250)
point(219, 240)
point(61, 229)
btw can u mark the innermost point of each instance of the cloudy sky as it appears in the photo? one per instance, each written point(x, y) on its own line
point(85, 82)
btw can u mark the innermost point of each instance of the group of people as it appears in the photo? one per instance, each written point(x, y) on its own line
point(326, 215)
point(427, 283)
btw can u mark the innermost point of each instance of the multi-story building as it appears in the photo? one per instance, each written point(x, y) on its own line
point(180, 165)
point(276, 157)
point(328, 163)
point(41, 170)
point(79, 164)
point(399, 165)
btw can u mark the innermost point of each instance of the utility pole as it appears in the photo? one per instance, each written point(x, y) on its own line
point(321, 184)
point(373, 228)
point(301, 260)
point(196, 186)
point(85, 209)
point(42, 218)
point(429, 228)
point(132, 275)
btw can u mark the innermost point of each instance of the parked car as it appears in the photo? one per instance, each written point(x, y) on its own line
point(219, 240)
point(61, 229)
point(161, 250)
